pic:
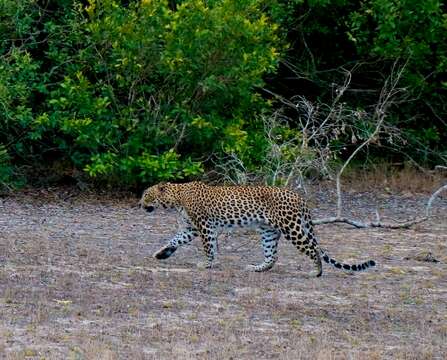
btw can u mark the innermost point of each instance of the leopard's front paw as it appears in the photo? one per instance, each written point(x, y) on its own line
point(165, 252)
point(260, 267)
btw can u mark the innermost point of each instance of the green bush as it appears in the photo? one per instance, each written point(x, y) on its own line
point(19, 78)
point(415, 31)
point(133, 92)
point(141, 93)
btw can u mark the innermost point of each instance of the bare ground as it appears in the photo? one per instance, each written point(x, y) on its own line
point(78, 281)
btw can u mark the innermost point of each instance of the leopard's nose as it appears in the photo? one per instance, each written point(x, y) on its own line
point(149, 208)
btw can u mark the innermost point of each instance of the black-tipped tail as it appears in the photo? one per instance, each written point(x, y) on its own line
point(347, 267)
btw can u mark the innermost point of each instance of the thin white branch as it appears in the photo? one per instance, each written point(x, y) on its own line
point(432, 198)
point(385, 101)
point(389, 91)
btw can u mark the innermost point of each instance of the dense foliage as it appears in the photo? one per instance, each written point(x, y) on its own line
point(140, 91)
point(132, 93)
point(369, 38)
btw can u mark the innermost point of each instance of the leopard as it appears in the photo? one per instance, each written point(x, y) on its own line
point(209, 209)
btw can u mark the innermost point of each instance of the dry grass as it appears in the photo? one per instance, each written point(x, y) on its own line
point(407, 180)
point(77, 281)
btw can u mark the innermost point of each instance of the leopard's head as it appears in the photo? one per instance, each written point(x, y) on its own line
point(160, 195)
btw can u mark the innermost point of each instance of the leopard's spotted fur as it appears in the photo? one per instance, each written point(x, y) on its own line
point(208, 209)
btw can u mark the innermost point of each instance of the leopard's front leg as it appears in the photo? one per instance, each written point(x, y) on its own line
point(183, 237)
point(208, 234)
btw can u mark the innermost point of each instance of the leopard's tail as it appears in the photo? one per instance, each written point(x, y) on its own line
point(348, 267)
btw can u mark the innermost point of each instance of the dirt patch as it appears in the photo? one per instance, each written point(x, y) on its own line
point(77, 280)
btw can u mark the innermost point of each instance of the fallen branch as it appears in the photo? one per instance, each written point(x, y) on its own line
point(378, 223)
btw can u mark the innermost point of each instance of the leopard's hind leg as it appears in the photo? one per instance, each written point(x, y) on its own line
point(300, 233)
point(270, 238)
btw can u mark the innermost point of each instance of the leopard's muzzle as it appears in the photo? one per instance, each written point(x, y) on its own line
point(149, 208)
